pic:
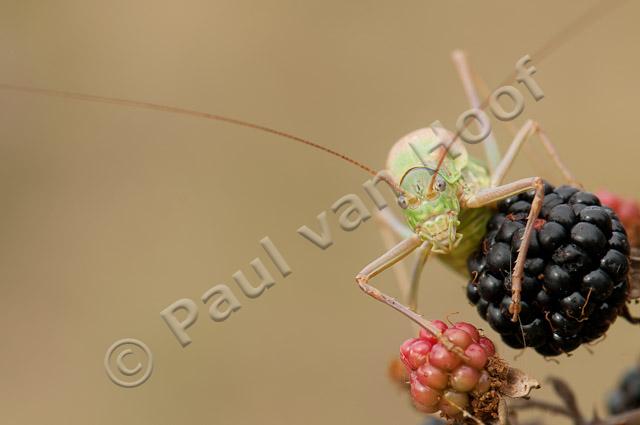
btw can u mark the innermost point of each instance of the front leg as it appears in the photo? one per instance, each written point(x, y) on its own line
point(421, 259)
point(386, 260)
point(488, 196)
point(389, 238)
point(390, 224)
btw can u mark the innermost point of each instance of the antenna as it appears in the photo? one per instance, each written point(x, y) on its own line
point(183, 111)
point(583, 21)
point(602, 8)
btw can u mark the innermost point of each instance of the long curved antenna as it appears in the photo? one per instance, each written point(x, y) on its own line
point(583, 21)
point(183, 111)
point(602, 8)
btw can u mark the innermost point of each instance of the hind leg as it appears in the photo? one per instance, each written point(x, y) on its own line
point(467, 75)
point(529, 129)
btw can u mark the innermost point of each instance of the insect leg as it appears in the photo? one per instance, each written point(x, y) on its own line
point(423, 255)
point(493, 194)
point(391, 229)
point(466, 75)
point(523, 135)
point(386, 260)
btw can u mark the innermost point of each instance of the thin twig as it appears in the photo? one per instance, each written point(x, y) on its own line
point(570, 408)
point(567, 395)
point(540, 405)
point(631, 417)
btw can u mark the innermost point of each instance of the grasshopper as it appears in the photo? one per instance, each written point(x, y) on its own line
point(446, 195)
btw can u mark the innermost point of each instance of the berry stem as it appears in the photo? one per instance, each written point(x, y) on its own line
point(569, 408)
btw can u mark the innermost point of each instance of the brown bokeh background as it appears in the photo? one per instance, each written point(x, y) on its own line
point(109, 214)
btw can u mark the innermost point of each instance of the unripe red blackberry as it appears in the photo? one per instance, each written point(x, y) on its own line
point(629, 212)
point(447, 382)
point(575, 277)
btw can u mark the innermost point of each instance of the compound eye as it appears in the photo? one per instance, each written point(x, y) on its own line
point(402, 202)
point(440, 184)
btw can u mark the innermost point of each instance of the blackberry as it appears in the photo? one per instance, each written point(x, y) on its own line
point(627, 396)
point(575, 280)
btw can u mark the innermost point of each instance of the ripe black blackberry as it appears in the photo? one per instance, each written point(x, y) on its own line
point(627, 396)
point(575, 282)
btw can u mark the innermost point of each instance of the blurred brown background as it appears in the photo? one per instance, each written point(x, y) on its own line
point(109, 214)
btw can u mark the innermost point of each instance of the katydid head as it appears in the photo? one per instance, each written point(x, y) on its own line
point(432, 213)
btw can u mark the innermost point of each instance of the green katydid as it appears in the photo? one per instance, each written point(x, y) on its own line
point(445, 194)
point(447, 199)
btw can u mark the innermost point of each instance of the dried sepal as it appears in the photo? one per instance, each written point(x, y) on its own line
point(518, 384)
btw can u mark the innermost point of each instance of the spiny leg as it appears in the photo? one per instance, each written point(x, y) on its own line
point(523, 135)
point(498, 172)
point(391, 229)
point(423, 253)
point(467, 75)
point(493, 194)
point(391, 226)
point(386, 260)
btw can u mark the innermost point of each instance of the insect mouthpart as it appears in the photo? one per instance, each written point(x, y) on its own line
point(440, 230)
